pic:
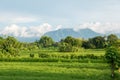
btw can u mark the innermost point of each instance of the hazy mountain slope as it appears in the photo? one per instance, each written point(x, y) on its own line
point(62, 33)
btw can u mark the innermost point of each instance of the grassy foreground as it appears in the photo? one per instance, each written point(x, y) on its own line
point(54, 71)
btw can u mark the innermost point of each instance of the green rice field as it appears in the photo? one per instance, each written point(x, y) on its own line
point(55, 71)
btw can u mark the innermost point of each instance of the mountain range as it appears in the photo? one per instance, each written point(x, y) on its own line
point(62, 33)
point(59, 34)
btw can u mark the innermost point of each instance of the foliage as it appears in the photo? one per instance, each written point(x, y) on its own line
point(72, 41)
point(65, 47)
point(10, 45)
point(97, 42)
point(113, 58)
point(43, 55)
point(31, 55)
point(70, 44)
point(87, 45)
point(45, 41)
point(112, 39)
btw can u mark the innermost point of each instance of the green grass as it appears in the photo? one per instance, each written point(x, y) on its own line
point(96, 52)
point(89, 55)
point(54, 71)
point(24, 67)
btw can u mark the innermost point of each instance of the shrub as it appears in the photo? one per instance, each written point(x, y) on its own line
point(43, 55)
point(31, 55)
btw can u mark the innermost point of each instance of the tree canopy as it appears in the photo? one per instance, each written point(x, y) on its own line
point(45, 41)
point(112, 56)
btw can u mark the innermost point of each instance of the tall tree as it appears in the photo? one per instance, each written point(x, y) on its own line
point(45, 41)
point(73, 41)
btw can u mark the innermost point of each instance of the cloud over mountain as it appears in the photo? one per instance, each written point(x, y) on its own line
point(37, 31)
point(23, 31)
point(101, 27)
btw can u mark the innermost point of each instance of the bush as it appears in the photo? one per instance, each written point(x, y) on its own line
point(31, 55)
point(43, 55)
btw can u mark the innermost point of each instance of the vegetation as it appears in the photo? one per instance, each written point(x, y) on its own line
point(70, 44)
point(45, 41)
point(113, 58)
point(54, 71)
point(71, 58)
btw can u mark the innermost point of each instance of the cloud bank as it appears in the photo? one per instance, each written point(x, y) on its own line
point(37, 31)
point(23, 31)
point(100, 27)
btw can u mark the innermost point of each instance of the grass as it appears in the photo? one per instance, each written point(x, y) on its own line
point(24, 67)
point(54, 71)
point(96, 52)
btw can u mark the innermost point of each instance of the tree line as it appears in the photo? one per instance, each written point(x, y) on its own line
point(10, 45)
point(71, 44)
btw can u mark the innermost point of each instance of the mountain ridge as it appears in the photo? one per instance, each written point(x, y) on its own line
point(81, 33)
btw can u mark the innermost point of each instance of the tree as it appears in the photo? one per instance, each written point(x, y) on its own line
point(112, 56)
point(10, 45)
point(65, 47)
point(98, 41)
point(86, 44)
point(112, 39)
point(45, 41)
point(70, 44)
point(72, 41)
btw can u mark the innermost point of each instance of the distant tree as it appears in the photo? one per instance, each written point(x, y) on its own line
point(70, 44)
point(10, 45)
point(73, 41)
point(46, 41)
point(112, 56)
point(95, 42)
point(98, 41)
point(112, 39)
point(87, 45)
point(65, 47)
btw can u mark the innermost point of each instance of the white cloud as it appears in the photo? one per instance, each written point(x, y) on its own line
point(37, 31)
point(101, 27)
point(32, 31)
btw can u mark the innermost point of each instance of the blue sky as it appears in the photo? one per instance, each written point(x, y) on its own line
point(68, 13)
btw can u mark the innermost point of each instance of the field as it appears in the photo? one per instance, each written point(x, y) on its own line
point(97, 52)
point(53, 71)
point(27, 68)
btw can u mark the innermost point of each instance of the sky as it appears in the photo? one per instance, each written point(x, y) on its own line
point(27, 18)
